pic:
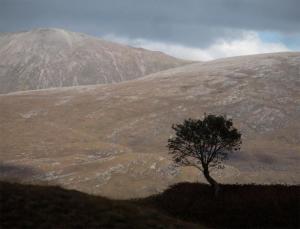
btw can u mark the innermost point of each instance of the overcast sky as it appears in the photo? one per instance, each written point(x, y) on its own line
point(190, 29)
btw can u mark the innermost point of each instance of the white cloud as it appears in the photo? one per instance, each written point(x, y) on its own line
point(249, 43)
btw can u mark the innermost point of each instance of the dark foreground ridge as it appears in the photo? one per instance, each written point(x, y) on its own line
point(239, 206)
point(30, 206)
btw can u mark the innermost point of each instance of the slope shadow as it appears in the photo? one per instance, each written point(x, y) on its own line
point(18, 173)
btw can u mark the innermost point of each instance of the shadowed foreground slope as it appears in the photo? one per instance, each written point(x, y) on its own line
point(27, 206)
point(238, 206)
point(242, 206)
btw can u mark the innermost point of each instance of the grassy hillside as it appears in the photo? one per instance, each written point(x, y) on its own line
point(110, 140)
point(28, 206)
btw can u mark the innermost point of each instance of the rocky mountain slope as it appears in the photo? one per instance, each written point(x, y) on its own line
point(44, 58)
point(111, 139)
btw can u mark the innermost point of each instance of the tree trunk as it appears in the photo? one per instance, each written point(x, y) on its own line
point(211, 181)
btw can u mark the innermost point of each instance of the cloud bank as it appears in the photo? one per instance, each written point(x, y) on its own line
point(192, 29)
point(249, 43)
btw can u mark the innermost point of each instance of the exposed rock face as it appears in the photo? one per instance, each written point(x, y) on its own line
point(111, 139)
point(45, 58)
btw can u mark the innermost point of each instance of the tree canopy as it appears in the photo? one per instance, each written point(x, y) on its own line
point(204, 143)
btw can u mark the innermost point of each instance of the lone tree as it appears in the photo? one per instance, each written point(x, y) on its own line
point(204, 144)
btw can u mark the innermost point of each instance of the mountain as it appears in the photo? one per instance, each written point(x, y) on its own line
point(44, 58)
point(111, 139)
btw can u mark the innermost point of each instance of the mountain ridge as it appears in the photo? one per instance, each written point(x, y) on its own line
point(51, 57)
point(184, 67)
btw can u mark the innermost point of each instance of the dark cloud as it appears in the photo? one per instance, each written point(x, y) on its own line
point(191, 22)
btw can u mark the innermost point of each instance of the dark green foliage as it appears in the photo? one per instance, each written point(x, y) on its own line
point(204, 143)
